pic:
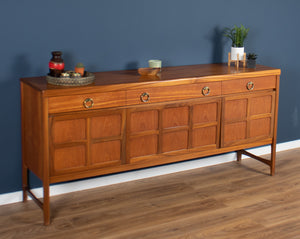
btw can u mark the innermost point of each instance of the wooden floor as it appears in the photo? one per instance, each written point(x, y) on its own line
point(229, 201)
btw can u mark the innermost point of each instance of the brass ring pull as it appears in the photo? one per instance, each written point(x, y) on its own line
point(88, 103)
point(250, 85)
point(205, 91)
point(145, 97)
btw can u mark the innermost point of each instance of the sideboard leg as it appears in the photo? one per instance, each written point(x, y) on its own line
point(46, 205)
point(273, 157)
point(239, 156)
point(24, 181)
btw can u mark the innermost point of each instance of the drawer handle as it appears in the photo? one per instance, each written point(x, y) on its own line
point(205, 91)
point(250, 85)
point(145, 97)
point(88, 103)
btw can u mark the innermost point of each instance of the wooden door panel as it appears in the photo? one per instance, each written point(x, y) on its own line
point(69, 158)
point(143, 121)
point(236, 109)
point(260, 127)
point(68, 130)
point(248, 117)
point(78, 144)
point(173, 141)
point(173, 127)
point(234, 132)
point(106, 126)
point(106, 152)
point(205, 113)
point(204, 136)
point(143, 145)
point(142, 133)
point(177, 116)
point(261, 105)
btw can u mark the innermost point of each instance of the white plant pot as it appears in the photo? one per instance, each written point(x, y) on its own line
point(235, 51)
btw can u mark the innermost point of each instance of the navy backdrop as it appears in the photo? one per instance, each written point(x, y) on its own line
point(118, 34)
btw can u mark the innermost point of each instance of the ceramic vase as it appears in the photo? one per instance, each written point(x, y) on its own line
point(235, 51)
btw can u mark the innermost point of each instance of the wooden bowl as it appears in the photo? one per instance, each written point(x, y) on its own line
point(148, 71)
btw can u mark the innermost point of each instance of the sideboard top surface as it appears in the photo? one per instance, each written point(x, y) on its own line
point(176, 75)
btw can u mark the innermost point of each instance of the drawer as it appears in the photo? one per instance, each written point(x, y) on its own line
point(248, 84)
point(86, 101)
point(170, 93)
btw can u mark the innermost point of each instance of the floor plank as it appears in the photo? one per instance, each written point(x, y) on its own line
point(231, 200)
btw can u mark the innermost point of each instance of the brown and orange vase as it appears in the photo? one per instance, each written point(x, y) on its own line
point(56, 64)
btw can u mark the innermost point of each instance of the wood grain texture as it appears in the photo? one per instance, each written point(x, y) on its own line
point(240, 85)
point(69, 158)
point(92, 140)
point(174, 121)
point(274, 128)
point(173, 141)
point(205, 112)
point(177, 126)
point(260, 127)
point(173, 117)
point(247, 117)
point(205, 136)
point(169, 93)
point(32, 150)
point(155, 160)
point(76, 102)
point(261, 105)
point(143, 120)
point(142, 146)
point(68, 130)
point(106, 126)
point(222, 201)
point(129, 79)
point(234, 132)
point(235, 109)
point(106, 152)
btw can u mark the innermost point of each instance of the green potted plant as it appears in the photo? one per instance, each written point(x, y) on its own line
point(251, 60)
point(237, 36)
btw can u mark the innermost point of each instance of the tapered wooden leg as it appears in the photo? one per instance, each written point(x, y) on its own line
point(46, 204)
point(239, 156)
point(24, 181)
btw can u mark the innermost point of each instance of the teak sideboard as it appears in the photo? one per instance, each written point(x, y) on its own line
point(124, 121)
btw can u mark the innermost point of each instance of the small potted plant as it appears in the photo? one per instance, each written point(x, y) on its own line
point(251, 60)
point(79, 68)
point(237, 35)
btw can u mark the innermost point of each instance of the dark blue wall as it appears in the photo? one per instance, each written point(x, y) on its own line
point(118, 34)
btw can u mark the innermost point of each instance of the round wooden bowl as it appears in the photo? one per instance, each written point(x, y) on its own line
point(148, 71)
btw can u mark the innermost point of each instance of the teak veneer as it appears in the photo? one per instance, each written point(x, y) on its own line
point(124, 121)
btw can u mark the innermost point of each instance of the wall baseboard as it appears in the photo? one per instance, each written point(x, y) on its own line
point(8, 198)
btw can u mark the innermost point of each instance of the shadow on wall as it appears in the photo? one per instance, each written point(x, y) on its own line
point(20, 67)
point(218, 42)
point(10, 137)
point(132, 65)
point(68, 58)
point(10, 123)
